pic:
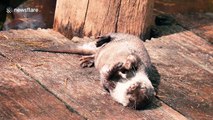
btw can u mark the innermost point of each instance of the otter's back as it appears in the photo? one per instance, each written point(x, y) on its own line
point(121, 46)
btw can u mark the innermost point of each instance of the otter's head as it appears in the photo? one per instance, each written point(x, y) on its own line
point(135, 92)
point(129, 84)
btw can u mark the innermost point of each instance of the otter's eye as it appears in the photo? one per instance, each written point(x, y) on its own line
point(124, 71)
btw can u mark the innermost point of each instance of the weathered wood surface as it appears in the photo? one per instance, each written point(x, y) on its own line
point(199, 23)
point(61, 75)
point(193, 58)
point(184, 61)
point(180, 6)
point(93, 18)
point(23, 98)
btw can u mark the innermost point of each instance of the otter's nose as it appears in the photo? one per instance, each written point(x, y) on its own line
point(139, 95)
point(135, 88)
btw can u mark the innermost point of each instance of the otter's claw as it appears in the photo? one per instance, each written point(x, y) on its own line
point(87, 61)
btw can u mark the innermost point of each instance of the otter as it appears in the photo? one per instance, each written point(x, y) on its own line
point(123, 63)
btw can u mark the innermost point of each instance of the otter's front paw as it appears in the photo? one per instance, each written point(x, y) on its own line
point(87, 61)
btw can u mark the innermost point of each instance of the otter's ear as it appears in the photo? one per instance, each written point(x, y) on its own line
point(102, 40)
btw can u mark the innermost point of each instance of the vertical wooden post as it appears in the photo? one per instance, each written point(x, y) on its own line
point(98, 17)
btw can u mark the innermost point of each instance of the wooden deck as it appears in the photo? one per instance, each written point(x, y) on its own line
point(35, 85)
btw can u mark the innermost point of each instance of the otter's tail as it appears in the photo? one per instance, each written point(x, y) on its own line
point(84, 49)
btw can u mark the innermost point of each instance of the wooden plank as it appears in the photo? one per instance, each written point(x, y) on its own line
point(80, 88)
point(77, 87)
point(179, 6)
point(199, 23)
point(22, 98)
point(185, 63)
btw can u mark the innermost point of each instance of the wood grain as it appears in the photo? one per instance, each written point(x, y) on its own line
point(94, 18)
point(184, 61)
point(61, 76)
point(22, 98)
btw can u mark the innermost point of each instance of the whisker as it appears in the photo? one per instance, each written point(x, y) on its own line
point(146, 96)
point(133, 70)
